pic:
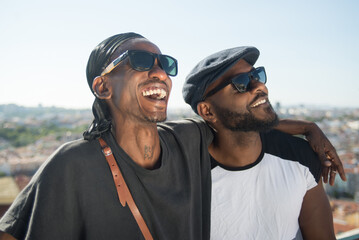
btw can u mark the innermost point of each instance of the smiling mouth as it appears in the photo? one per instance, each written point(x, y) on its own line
point(155, 93)
point(256, 104)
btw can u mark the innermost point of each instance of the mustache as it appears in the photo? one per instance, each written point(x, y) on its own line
point(152, 81)
point(259, 95)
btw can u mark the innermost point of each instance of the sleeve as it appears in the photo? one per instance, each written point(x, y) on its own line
point(295, 149)
point(205, 130)
point(191, 128)
point(308, 158)
point(194, 136)
point(310, 179)
point(47, 208)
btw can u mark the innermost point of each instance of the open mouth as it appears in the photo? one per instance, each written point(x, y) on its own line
point(155, 93)
point(260, 102)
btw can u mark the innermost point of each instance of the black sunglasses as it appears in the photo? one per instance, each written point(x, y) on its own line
point(143, 61)
point(241, 81)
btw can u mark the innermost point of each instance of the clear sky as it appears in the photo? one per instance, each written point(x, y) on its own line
point(310, 48)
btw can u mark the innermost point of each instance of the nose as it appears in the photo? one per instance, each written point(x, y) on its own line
point(256, 86)
point(157, 72)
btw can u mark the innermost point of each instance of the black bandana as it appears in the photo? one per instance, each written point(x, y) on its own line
point(102, 53)
point(98, 60)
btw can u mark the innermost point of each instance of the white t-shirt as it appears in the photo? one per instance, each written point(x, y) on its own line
point(263, 200)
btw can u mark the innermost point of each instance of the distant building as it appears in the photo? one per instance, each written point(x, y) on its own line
point(8, 192)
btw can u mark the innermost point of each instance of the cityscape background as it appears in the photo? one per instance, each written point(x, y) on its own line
point(28, 136)
point(309, 50)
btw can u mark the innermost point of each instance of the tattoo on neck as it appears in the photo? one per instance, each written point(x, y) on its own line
point(148, 153)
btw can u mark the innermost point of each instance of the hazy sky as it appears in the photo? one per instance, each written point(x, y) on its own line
point(310, 48)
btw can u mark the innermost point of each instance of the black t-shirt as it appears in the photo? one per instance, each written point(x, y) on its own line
point(73, 196)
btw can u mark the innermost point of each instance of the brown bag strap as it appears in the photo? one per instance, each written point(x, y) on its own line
point(123, 192)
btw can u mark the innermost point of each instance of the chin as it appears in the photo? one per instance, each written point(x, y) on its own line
point(157, 118)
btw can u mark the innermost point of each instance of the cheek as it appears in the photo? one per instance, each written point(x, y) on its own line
point(118, 88)
point(233, 100)
point(122, 91)
point(239, 105)
point(169, 84)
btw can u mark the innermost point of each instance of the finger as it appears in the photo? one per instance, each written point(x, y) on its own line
point(326, 163)
point(333, 169)
point(325, 172)
point(323, 157)
point(328, 159)
point(333, 174)
point(337, 163)
point(331, 153)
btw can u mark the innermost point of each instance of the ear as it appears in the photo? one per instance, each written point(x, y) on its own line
point(100, 88)
point(204, 110)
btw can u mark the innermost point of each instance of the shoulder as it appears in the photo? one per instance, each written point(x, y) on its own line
point(283, 143)
point(292, 148)
point(62, 179)
point(183, 124)
point(69, 158)
point(65, 169)
point(187, 128)
point(74, 150)
point(77, 148)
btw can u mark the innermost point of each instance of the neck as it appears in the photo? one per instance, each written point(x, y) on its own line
point(235, 149)
point(140, 141)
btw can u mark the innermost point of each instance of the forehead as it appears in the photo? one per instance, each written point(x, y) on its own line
point(136, 44)
point(240, 67)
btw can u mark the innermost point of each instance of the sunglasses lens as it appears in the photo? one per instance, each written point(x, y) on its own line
point(241, 82)
point(141, 61)
point(261, 75)
point(169, 64)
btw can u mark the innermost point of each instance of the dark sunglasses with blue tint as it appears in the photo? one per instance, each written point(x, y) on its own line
point(143, 61)
point(241, 82)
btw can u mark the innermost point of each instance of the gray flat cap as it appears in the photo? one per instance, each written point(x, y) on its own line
point(211, 68)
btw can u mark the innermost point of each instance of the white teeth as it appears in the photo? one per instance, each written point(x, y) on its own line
point(161, 93)
point(259, 103)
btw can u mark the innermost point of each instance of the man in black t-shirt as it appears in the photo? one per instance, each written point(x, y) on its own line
point(73, 195)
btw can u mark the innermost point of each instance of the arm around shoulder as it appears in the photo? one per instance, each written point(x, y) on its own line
point(316, 220)
point(319, 143)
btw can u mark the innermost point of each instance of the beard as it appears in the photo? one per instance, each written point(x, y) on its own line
point(156, 119)
point(246, 122)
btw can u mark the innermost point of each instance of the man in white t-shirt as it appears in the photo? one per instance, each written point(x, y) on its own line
point(265, 184)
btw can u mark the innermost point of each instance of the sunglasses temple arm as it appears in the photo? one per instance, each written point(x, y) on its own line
point(114, 63)
point(216, 89)
point(108, 69)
